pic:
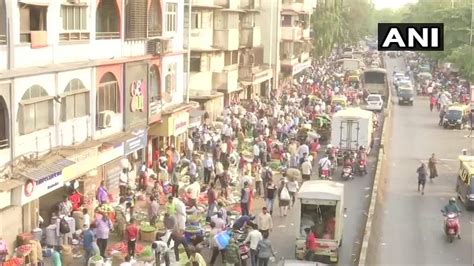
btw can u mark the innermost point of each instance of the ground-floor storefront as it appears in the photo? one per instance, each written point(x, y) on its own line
point(34, 196)
point(212, 104)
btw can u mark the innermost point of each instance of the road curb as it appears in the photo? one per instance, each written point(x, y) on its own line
point(377, 180)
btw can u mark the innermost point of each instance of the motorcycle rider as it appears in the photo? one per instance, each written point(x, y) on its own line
point(452, 207)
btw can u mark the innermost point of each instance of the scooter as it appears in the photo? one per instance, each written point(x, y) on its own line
point(451, 226)
point(325, 175)
point(346, 173)
point(362, 167)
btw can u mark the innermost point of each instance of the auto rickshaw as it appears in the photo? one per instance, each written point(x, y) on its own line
point(465, 181)
point(456, 116)
point(322, 211)
point(339, 99)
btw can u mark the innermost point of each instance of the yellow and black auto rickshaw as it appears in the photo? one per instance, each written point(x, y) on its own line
point(465, 180)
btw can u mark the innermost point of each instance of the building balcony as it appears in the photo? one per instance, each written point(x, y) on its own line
point(226, 81)
point(201, 39)
point(251, 4)
point(289, 61)
point(250, 37)
point(134, 48)
point(304, 56)
point(228, 4)
point(255, 74)
point(295, 5)
point(209, 3)
point(306, 33)
point(291, 33)
point(227, 39)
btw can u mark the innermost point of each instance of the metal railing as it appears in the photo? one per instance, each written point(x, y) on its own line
point(4, 143)
point(107, 35)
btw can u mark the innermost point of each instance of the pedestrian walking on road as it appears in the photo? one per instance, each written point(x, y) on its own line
point(264, 221)
point(265, 251)
point(253, 238)
point(284, 198)
point(270, 196)
point(422, 174)
point(432, 166)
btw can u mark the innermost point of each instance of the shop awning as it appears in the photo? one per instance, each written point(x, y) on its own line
point(10, 184)
point(35, 2)
point(55, 165)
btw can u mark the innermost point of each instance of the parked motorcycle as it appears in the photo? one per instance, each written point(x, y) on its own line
point(451, 226)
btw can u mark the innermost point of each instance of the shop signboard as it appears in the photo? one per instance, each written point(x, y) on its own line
point(35, 188)
point(135, 94)
point(137, 142)
point(181, 121)
point(300, 67)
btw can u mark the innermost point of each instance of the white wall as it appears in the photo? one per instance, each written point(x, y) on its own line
point(269, 20)
point(200, 83)
point(3, 57)
point(166, 61)
point(78, 129)
point(42, 140)
point(178, 36)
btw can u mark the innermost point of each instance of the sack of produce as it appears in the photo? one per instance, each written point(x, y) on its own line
point(96, 260)
point(293, 174)
point(147, 233)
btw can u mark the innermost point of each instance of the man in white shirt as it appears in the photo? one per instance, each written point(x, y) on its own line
point(325, 164)
point(253, 238)
point(161, 248)
point(264, 221)
point(256, 152)
point(306, 169)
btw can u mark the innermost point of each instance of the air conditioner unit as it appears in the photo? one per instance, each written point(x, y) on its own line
point(154, 47)
point(105, 119)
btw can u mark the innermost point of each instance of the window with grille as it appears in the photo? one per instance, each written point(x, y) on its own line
point(286, 20)
point(231, 58)
point(36, 110)
point(75, 101)
point(171, 17)
point(107, 20)
point(154, 19)
point(74, 20)
point(155, 87)
point(32, 18)
point(3, 23)
point(108, 96)
point(196, 20)
point(136, 19)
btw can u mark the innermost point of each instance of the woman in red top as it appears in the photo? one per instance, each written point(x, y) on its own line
point(311, 244)
point(131, 234)
point(76, 200)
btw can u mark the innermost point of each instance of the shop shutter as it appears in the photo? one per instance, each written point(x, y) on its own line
point(136, 19)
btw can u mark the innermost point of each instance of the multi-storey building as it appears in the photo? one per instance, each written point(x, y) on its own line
point(295, 44)
point(79, 82)
point(286, 43)
point(254, 74)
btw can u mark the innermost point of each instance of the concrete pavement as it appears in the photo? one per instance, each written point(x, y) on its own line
point(408, 226)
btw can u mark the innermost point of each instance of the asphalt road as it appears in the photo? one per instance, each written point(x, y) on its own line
point(408, 229)
point(357, 199)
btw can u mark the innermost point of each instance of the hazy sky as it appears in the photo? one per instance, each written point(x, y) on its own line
point(379, 4)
